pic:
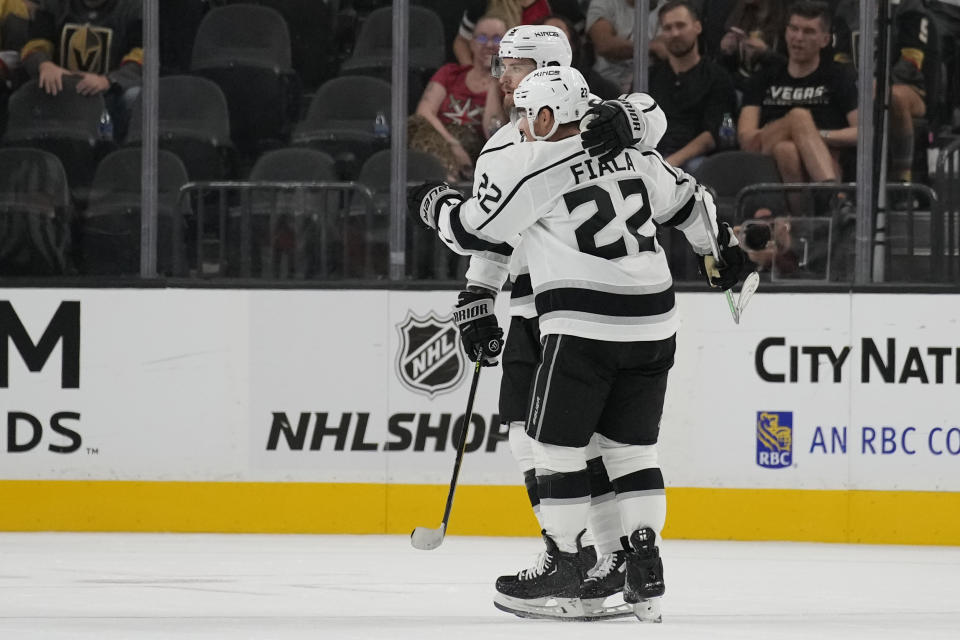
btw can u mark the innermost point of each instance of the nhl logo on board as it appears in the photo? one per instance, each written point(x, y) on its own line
point(429, 360)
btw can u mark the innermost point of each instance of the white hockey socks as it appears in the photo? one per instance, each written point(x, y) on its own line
point(638, 482)
point(521, 446)
point(604, 515)
point(563, 484)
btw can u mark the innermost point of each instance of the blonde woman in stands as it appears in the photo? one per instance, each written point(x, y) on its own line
point(515, 12)
point(448, 119)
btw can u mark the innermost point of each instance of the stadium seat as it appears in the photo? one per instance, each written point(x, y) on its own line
point(292, 233)
point(245, 49)
point(450, 14)
point(294, 164)
point(368, 235)
point(376, 173)
point(194, 124)
point(728, 172)
point(109, 234)
point(178, 23)
point(312, 25)
point(35, 212)
point(340, 121)
point(373, 55)
point(65, 125)
point(373, 49)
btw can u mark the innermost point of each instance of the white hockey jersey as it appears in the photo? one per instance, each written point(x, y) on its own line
point(589, 233)
point(492, 274)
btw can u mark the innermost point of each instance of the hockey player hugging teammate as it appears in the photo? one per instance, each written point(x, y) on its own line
point(614, 125)
point(605, 300)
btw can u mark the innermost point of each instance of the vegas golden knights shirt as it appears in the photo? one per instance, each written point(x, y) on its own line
point(491, 273)
point(588, 231)
point(106, 40)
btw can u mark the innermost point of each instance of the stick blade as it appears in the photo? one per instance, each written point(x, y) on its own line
point(749, 288)
point(425, 539)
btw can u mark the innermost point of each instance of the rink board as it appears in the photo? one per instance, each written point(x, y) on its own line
point(827, 417)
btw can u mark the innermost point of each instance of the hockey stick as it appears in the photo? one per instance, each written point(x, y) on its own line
point(750, 284)
point(425, 538)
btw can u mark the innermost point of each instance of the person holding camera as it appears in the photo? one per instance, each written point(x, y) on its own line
point(768, 243)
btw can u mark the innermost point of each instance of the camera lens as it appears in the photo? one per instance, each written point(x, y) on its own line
point(756, 236)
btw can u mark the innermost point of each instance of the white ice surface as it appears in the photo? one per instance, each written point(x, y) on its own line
point(121, 586)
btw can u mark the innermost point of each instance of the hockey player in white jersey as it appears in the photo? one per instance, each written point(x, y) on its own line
point(604, 296)
point(614, 125)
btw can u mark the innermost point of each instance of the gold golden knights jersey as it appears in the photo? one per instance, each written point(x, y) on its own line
point(493, 274)
point(106, 40)
point(588, 231)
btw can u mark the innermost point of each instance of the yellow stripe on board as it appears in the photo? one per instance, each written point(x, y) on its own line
point(878, 517)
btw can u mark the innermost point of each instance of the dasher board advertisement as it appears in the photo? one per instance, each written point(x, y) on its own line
point(810, 391)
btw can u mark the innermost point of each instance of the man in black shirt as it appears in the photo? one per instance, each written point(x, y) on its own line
point(804, 111)
point(694, 92)
point(912, 64)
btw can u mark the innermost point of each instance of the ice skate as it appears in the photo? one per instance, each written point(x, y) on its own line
point(644, 585)
point(601, 591)
point(549, 589)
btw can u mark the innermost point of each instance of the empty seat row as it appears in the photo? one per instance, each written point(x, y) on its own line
point(44, 233)
point(194, 124)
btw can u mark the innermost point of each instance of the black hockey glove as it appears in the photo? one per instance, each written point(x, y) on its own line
point(424, 201)
point(736, 263)
point(479, 331)
point(610, 127)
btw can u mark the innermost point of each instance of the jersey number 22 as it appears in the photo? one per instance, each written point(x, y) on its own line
point(606, 215)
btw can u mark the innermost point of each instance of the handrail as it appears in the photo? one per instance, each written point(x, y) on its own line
point(948, 172)
point(940, 270)
point(245, 187)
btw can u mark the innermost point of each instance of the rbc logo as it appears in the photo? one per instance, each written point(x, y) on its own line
point(774, 439)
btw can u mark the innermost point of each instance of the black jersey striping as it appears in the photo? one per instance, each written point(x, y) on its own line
point(644, 480)
point(672, 171)
point(682, 214)
point(563, 485)
point(495, 149)
point(471, 242)
point(603, 303)
point(650, 108)
point(521, 287)
point(520, 184)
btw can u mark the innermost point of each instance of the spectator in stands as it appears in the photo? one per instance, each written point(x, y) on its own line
point(599, 86)
point(514, 12)
point(753, 35)
point(448, 122)
point(911, 59)
point(768, 242)
point(98, 40)
point(694, 91)
point(610, 28)
point(947, 16)
point(802, 111)
point(14, 17)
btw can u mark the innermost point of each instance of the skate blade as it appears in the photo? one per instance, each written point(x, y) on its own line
point(597, 609)
point(648, 610)
point(563, 609)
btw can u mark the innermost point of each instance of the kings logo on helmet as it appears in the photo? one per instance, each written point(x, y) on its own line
point(429, 360)
point(774, 439)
